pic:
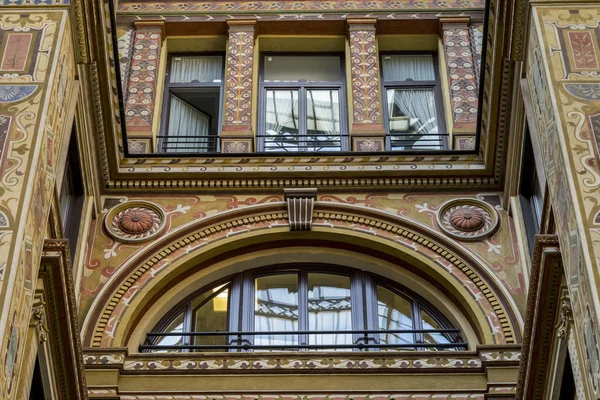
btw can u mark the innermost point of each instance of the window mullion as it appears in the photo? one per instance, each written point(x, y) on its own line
point(302, 120)
point(303, 306)
point(417, 323)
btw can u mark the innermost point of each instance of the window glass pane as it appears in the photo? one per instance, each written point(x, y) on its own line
point(397, 68)
point(196, 69)
point(276, 308)
point(413, 120)
point(174, 327)
point(282, 121)
point(323, 120)
point(430, 323)
point(302, 69)
point(394, 312)
point(211, 315)
point(329, 308)
point(193, 121)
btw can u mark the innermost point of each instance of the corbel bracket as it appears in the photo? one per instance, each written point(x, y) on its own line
point(300, 204)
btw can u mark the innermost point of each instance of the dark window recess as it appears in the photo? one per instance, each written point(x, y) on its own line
point(531, 194)
point(412, 102)
point(192, 104)
point(302, 103)
point(567, 385)
point(303, 309)
point(37, 384)
point(72, 195)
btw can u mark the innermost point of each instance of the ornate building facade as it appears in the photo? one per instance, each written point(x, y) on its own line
point(299, 199)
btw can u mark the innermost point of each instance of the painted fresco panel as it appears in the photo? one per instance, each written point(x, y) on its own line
point(34, 124)
point(564, 84)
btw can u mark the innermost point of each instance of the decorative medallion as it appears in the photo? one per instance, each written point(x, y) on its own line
point(135, 221)
point(467, 219)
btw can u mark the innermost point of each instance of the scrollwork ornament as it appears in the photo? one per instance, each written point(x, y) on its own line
point(38, 319)
point(565, 318)
point(135, 221)
point(467, 219)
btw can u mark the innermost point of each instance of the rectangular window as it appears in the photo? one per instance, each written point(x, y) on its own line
point(72, 195)
point(302, 103)
point(413, 107)
point(531, 193)
point(192, 108)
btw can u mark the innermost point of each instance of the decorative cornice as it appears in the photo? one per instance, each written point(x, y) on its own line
point(287, 362)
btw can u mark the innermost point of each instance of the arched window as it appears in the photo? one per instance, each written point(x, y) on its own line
point(303, 309)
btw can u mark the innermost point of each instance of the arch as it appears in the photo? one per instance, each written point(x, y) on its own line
point(393, 239)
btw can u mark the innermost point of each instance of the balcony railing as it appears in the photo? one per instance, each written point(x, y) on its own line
point(361, 340)
point(303, 143)
point(411, 141)
point(188, 144)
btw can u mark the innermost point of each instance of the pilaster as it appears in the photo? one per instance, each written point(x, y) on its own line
point(462, 79)
point(367, 131)
point(140, 96)
point(237, 135)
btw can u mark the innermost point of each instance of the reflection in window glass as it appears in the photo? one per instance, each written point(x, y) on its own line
point(329, 308)
point(282, 121)
point(323, 120)
point(302, 69)
point(394, 313)
point(174, 327)
point(210, 315)
point(413, 119)
point(430, 323)
point(276, 308)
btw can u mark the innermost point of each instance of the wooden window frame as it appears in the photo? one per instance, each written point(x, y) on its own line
point(302, 87)
point(166, 110)
point(436, 85)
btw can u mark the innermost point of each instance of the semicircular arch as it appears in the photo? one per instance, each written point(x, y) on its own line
point(394, 239)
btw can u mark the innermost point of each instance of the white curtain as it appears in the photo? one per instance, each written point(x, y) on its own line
point(187, 128)
point(399, 68)
point(419, 106)
point(282, 120)
point(196, 69)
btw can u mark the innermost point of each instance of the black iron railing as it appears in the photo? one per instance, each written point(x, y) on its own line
point(301, 143)
point(361, 340)
point(412, 141)
point(187, 144)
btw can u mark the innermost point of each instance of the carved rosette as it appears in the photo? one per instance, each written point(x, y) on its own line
point(467, 219)
point(135, 221)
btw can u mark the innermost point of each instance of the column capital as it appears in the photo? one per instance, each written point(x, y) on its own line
point(361, 23)
point(151, 25)
point(247, 25)
point(453, 22)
